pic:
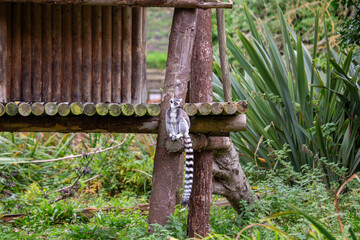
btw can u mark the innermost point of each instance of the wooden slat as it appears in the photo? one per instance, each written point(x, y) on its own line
point(36, 52)
point(16, 53)
point(26, 53)
point(87, 54)
point(57, 53)
point(144, 49)
point(126, 55)
point(77, 54)
point(67, 53)
point(116, 55)
point(3, 52)
point(8, 66)
point(97, 55)
point(47, 54)
point(107, 54)
point(137, 56)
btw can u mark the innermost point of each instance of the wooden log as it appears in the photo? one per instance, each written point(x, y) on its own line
point(242, 106)
point(97, 54)
point(107, 54)
point(139, 3)
point(126, 74)
point(137, 55)
point(77, 54)
point(123, 124)
point(217, 108)
point(26, 53)
point(127, 109)
point(4, 82)
point(230, 108)
point(67, 54)
point(89, 109)
point(164, 196)
point(36, 52)
point(16, 53)
point(144, 51)
point(2, 109)
point(153, 109)
point(51, 108)
point(116, 55)
point(225, 69)
point(47, 55)
point(190, 109)
point(102, 109)
point(140, 110)
point(201, 91)
point(57, 53)
point(200, 143)
point(37, 108)
point(64, 109)
point(24, 109)
point(76, 108)
point(114, 109)
point(203, 108)
point(87, 54)
point(11, 109)
point(9, 54)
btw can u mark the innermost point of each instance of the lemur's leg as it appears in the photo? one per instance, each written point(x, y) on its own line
point(183, 129)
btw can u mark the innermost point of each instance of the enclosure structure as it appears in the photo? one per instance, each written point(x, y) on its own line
point(80, 66)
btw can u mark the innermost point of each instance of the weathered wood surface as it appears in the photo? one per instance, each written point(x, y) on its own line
point(4, 82)
point(16, 54)
point(126, 60)
point(116, 55)
point(139, 3)
point(137, 55)
point(12, 121)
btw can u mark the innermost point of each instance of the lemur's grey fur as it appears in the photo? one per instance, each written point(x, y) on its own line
point(177, 126)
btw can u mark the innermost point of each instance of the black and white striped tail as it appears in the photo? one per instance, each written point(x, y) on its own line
point(189, 170)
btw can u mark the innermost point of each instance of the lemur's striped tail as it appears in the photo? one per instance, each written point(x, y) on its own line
point(189, 170)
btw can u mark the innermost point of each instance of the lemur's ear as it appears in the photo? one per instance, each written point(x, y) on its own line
point(180, 99)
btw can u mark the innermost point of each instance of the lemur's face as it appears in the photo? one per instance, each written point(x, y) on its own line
point(175, 103)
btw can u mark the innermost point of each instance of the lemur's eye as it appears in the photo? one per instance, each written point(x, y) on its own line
point(176, 103)
point(171, 101)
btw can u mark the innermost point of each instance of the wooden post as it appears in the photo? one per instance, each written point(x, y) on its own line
point(67, 54)
point(169, 167)
point(3, 52)
point(144, 51)
point(97, 54)
point(26, 53)
point(87, 54)
point(137, 56)
point(225, 70)
point(16, 52)
point(47, 56)
point(201, 91)
point(116, 55)
point(9, 43)
point(107, 40)
point(77, 54)
point(36, 52)
point(126, 55)
point(57, 53)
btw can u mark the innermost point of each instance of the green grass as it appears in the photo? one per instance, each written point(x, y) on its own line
point(156, 60)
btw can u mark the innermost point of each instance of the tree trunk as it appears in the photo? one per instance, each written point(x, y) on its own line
point(229, 180)
point(169, 167)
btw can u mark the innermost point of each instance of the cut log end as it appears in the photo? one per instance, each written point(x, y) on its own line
point(102, 109)
point(89, 109)
point(76, 108)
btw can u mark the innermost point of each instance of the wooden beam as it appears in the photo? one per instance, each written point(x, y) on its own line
point(139, 3)
point(12, 121)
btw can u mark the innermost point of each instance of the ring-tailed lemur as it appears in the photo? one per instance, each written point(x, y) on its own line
point(177, 126)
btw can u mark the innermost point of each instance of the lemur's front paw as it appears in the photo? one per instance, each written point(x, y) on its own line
point(173, 137)
point(178, 136)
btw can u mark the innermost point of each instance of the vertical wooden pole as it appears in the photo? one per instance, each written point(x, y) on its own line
point(16, 53)
point(26, 53)
point(169, 167)
point(77, 54)
point(116, 55)
point(36, 52)
point(225, 70)
point(3, 52)
point(97, 55)
point(67, 54)
point(144, 49)
point(107, 54)
point(126, 55)
point(57, 53)
point(137, 56)
point(47, 54)
point(201, 91)
point(87, 54)
point(9, 54)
